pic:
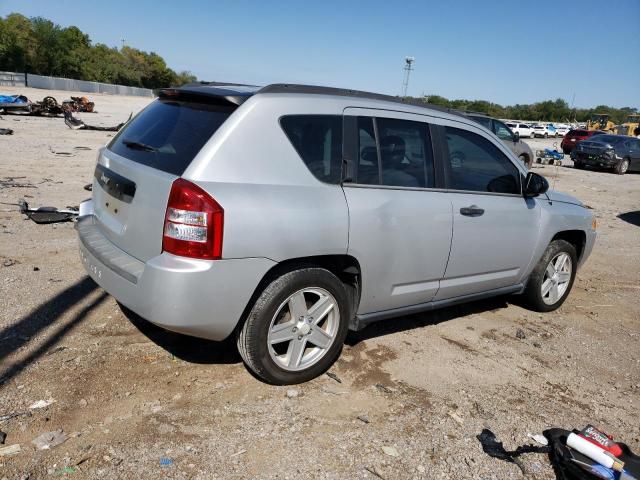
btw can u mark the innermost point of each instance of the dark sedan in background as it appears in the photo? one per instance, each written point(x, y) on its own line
point(571, 139)
point(618, 152)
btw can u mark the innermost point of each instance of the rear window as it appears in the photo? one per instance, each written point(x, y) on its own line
point(578, 133)
point(168, 134)
point(318, 140)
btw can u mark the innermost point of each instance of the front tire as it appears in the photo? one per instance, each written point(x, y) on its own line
point(296, 328)
point(622, 166)
point(552, 278)
point(546, 135)
point(578, 165)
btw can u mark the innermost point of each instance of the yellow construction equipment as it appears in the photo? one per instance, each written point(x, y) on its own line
point(627, 128)
point(600, 121)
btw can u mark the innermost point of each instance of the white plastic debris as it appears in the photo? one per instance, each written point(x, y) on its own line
point(42, 404)
point(391, 451)
point(541, 439)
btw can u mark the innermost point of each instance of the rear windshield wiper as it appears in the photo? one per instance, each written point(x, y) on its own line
point(139, 146)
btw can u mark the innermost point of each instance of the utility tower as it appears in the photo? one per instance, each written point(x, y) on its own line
point(408, 66)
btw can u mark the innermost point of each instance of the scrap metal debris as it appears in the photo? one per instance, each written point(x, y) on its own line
point(14, 182)
point(61, 153)
point(13, 103)
point(48, 106)
point(79, 104)
point(44, 215)
point(76, 124)
point(6, 131)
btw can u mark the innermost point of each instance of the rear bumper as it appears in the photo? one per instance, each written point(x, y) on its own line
point(203, 298)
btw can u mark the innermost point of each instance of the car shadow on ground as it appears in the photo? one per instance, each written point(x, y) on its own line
point(201, 351)
point(631, 217)
point(434, 317)
point(15, 337)
point(187, 348)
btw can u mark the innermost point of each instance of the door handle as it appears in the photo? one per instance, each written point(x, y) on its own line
point(472, 211)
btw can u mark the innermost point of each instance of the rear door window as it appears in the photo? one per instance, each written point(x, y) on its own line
point(168, 134)
point(476, 164)
point(318, 141)
point(368, 166)
point(405, 152)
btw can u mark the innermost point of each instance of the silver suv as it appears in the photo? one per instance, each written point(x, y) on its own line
point(289, 214)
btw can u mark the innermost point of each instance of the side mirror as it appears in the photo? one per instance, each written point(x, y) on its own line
point(535, 185)
point(516, 137)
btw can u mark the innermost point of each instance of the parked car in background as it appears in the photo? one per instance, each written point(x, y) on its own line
point(504, 133)
point(618, 152)
point(540, 131)
point(562, 130)
point(522, 129)
point(288, 215)
point(553, 132)
point(574, 136)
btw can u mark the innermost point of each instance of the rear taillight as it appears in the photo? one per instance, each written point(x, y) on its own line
point(193, 223)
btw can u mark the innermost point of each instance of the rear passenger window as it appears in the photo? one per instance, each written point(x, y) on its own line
point(405, 152)
point(368, 169)
point(478, 165)
point(318, 140)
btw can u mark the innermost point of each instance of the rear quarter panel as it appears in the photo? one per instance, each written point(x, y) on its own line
point(273, 205)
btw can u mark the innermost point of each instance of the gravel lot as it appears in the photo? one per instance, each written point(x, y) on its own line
point(139, 402)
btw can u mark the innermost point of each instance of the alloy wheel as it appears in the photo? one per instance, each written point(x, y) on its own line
point(303, 329)
point(556, 278)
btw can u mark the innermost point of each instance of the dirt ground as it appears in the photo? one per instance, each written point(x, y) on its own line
point(139, 402)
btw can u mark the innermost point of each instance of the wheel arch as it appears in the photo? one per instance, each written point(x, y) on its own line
point(577, 238)
point(345, 267)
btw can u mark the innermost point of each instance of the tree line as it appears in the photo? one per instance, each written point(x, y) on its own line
point(550, 110)
point(39, 46)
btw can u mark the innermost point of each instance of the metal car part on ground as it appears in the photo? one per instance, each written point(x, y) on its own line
point(75, 123)
point(44, 215)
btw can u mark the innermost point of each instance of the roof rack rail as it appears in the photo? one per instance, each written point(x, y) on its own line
point(344, 92)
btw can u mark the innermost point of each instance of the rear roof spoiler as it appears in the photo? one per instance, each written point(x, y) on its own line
point(232, 95)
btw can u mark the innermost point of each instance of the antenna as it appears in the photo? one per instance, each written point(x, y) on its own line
point(408, 66)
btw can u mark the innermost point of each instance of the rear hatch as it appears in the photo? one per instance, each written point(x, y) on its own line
point(134, 174)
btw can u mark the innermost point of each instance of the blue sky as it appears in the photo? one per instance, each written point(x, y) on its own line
point(502, 51)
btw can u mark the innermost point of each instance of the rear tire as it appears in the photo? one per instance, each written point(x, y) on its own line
point(578, 165)
point(279, 334)
point(622, 166)
point(552, 278)
point(546, 135)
